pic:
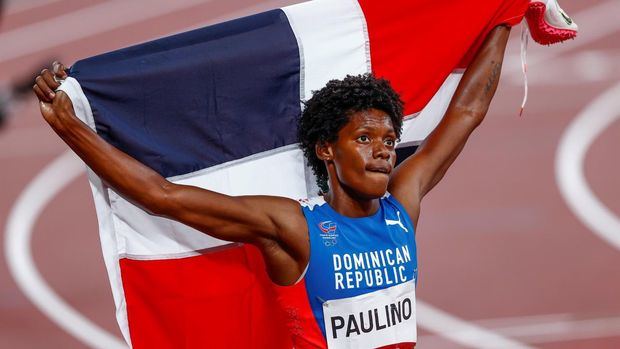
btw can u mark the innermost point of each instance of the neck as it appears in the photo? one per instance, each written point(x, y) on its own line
point(348, 204)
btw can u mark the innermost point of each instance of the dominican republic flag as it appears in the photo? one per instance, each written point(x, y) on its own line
point(217, 108)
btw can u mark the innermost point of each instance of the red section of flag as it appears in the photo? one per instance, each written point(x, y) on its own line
point(416, 44)
point(220, 299)
point(300, 320)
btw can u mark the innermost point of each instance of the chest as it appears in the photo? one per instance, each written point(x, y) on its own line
point(352, 258)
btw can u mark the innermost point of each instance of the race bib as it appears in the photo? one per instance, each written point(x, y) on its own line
point(372, 320)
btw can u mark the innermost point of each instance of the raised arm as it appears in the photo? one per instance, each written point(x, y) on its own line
point(416, 176)
point(276, 225)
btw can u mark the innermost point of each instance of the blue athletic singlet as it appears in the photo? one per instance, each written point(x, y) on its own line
point(359, 287)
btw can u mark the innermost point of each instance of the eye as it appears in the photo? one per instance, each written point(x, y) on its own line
point(389, 142)
point(363, 138)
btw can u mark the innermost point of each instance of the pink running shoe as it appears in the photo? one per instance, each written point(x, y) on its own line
point(548, 23)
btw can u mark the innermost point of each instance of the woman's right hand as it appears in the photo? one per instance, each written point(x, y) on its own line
point(47, 82)
point(52, 105)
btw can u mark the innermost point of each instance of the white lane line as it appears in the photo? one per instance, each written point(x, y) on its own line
point(554, 329)
point(47, 184)
point(21, 6)
point(595, 22)
point(84, 23)
point(569, 165)
point(462, 332)
point(565, 330)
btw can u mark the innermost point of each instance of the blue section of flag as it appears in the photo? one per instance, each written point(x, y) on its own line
point(201, 98)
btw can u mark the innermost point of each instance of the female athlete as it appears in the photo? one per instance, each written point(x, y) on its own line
point(353, 248)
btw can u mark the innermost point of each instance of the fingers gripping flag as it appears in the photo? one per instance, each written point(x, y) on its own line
point(217, 108)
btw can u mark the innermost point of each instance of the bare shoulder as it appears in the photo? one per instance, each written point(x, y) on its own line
point(285, 212)
point(287, 218)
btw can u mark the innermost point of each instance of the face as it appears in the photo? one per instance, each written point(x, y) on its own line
point(363, 156)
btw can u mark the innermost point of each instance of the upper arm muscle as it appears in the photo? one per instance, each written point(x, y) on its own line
point(233, 218)
point(276, 225)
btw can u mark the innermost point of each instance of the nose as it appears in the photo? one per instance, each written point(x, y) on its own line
point(381, 151)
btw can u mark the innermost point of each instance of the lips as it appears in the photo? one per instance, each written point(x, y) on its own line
point(379, 168)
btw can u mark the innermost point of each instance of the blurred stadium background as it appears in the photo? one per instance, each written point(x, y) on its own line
point(522, 238)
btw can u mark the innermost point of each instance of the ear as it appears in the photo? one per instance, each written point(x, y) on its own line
point(324, 151)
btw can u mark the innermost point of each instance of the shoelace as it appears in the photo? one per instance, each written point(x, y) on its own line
point(525, 36)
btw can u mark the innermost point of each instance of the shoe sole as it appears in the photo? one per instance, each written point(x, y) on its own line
point(541, 31)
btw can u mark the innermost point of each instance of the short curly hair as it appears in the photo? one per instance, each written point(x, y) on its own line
point(330, 108)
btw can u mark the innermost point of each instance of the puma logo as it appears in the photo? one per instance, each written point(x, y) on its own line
point(398, 222)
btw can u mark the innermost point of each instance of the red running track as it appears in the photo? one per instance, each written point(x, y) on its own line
point(499, 247)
